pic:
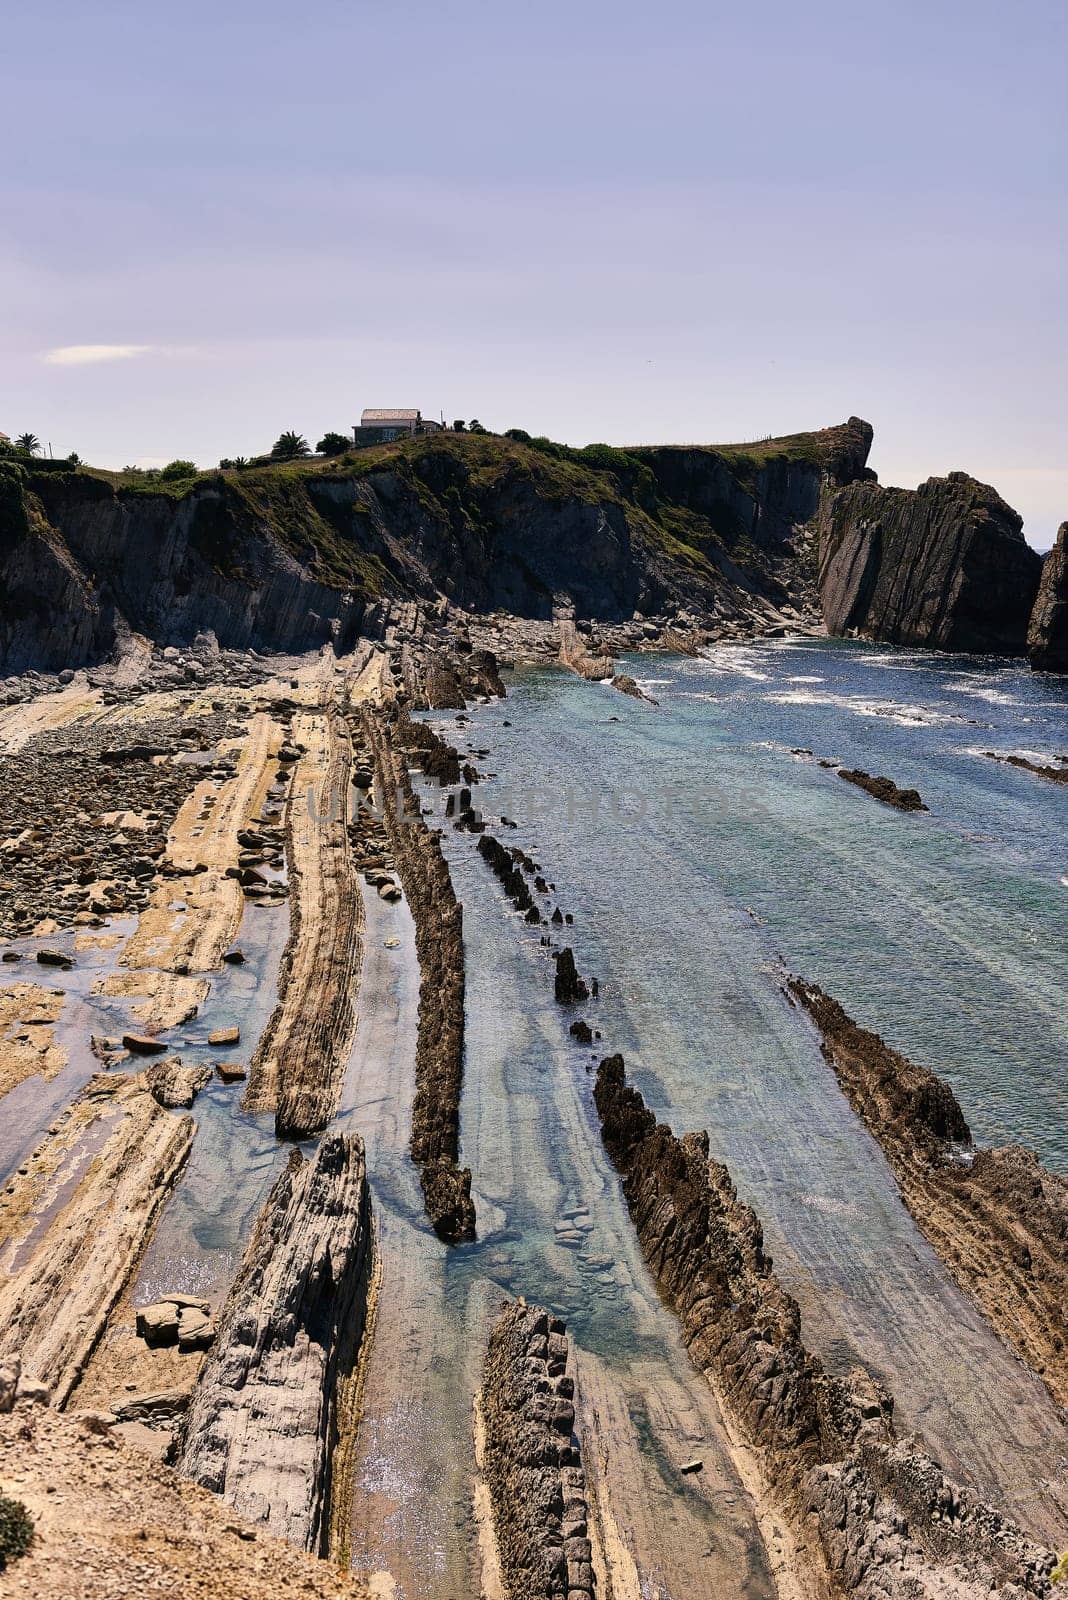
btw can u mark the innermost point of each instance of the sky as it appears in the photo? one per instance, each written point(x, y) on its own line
point(679, 222)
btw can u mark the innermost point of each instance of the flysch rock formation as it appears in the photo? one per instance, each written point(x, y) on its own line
point(74, 1222)
point(391, 739)
point(1047, 636)
point(997, 1217)
point(297, 556)
point(944, 566)
point(872, 1516)
point(299, 1062)
point(531, 1460)
point(265, 1419)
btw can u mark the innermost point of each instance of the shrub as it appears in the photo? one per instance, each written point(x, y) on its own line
point(16, 1530)
point(177, 469)
point(459, 426)
point(520, 435)
point(333, 444)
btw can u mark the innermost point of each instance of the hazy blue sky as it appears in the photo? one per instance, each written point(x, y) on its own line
point(672, 221)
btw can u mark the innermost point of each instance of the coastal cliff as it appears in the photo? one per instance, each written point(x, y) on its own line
point(944, 566)
point(290, 556)
point(1047, 636)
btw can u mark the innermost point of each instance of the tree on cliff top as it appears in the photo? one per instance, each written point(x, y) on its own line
point(289, 445)
point(178, 469)
point(333, 444)
point(30, 443)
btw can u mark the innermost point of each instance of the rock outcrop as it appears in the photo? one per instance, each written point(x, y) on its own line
point(531, 1460)
point(1047, 635)
point(295, 556)
point(944, 566)
point(73, 1224)
point(299, 1062)
point(884, 789)
point(438, 918)
point(264, 1422)
point(998, 1218)
point(873, 1517)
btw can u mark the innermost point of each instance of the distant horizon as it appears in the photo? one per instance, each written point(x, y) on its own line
point(596, 222)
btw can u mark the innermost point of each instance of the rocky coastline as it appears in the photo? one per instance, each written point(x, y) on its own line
point(532, 1461)
point(266, 1419)
point(997, 1217)
point(438, 918)
point(873, 1515)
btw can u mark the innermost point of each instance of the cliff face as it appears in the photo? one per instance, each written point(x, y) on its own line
point(761, 492)
point(945, 566)
point(1047, 636)
point(291, 556)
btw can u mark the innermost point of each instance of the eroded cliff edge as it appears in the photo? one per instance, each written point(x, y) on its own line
point(944, 566)
point(1047, 636)
point(289, 556)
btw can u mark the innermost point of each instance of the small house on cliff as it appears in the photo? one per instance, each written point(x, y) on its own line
point(383, 426)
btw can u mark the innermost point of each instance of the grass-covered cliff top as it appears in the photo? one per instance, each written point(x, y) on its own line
point(489, 457)
point(458, 481)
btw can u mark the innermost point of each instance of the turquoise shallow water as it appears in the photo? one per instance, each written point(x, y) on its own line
point(700, 856)
point(691, 838)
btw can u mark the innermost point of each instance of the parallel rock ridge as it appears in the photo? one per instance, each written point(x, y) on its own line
point(532, 1466)
point(887, 1522)
point(944, 566)
point(263, 1422)
point(997, 1218)
point(438, 918)
point(299, 1062)
point(1047, 637)
point(63, 1270)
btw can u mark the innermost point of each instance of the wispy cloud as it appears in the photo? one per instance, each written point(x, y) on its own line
point(84, 355)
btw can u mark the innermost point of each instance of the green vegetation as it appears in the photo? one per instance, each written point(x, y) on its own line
point(1060, 1571)
point(16, 1530)
point(30, 443)
point(289, 446)
point(176, 470)
point(333, 444)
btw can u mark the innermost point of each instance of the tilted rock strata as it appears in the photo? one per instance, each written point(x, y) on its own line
point(263, 1422)
point(533, 1468)
point(1047, 635)
point(998, 1218)
point(887, 1523)
point(299, 1062)
point(945, 566)
point(285, 557)
point(61, 1274)
point(438, 918)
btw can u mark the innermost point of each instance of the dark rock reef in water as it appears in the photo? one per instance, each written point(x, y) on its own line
point(944, 566)
point(884, 789)
point(531, 1463)
point(998, 1218)
point(875, 1517)
point(1047, 637)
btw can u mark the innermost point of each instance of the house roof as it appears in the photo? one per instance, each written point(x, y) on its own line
point(369, 418)
point(4, 436)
